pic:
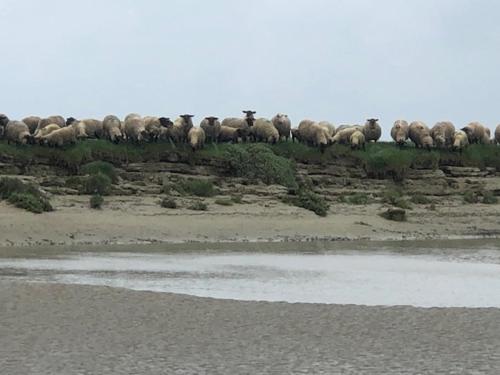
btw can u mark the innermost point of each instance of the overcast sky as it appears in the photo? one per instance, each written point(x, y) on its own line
point(337, 60)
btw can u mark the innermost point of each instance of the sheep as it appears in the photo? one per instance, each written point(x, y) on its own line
point(283, 124)
point(372, 130)
point(296, 135)
point(420, 134)
point(18, 132)
point(442, 134)
point(32, 122)
point(211, 126)
point(460, 140)
point(165, 129)
point(313, 134)
point(60, 137)
point(477, 133)
point(228, 134)
point(264, 130)
point(56, 119)
point(343, 136)
point(4, 120)
point(181, 127)
point(153, 126)
point(134, 128)
point(92, 128)
point(347, 126)
point(45, 131)
point(329, 127)
point(241, 123)
point(111, 127)
point(399, 132)
point(497, 134)
point(196, 138)
point(357, 140)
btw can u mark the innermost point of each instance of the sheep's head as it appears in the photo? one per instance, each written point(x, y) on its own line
point(187, 117)
point(4, 120)
point(166, 122)
point(211, 120)
point(249, 117)
point(427, 142)
point(70, 120)
point(439, 140)
point(372, 122)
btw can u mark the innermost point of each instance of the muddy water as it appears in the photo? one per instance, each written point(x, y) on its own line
point(424, 276)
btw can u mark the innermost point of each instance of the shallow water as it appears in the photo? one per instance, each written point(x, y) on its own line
point(424, 277)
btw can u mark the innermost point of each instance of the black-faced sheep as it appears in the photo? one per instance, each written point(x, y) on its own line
point(4, 120)
point(244, 124)
point(181, 127)
point(165, 129)
point(211, 125)
point(112, 128)
point(153, 127)
point(442, 134)
point(420, 134)
point(196, 138)
point(283, 124)
point(263, 130)
point(399, 132)
point(372, 130)
point(477, 133)
point(18, 132)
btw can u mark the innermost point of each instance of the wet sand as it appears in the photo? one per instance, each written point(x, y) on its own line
point(141, 220)
point(63, 329)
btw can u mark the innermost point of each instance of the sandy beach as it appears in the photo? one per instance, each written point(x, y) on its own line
point(62, 329)
point(141, 220)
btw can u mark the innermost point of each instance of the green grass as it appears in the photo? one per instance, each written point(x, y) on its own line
point(198, 188)
point(309, 200)
point(489, 198)
point(103, 167)
point(24, 195)
point(471, 197)
point(420, 199)
point(97, 184)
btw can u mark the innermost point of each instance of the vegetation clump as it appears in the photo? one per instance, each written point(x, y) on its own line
point(308, 199)
point(224, 201)
point(198, 188)
point(420, 199)
point(103, 167)
point(356, 198)
point(24, 195)
point(489, 198)
point(394, 214)
point(198, 206)
point(471, 197)
point(97, 184)
point(395, 198)
point(168, 203)
point(96, 201)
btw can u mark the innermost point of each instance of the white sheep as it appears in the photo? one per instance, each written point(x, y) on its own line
point(18, 132)
point(264, 130)
point(196, 138)
point(420, 134)
point(283, 124)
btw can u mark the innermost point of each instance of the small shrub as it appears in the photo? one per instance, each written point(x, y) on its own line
point(224, 201)
point(395, 198)
point(471, 197)
point(97, 184)
point(309, 200)
point(420, 199)
point(357, 198)
point(103, 167)
point(30, 202)
point(96, 201)
point(198, 206)
point(489, 198)
point(394, 214)
point(168, 203)
point(199, 188)
point(237, 199)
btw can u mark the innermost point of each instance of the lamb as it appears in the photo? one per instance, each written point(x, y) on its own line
point(264, 130)
point(18, 132)
point(399, 132)
point(196, 138)
point(56, 119)
point(343, 136)
point(228, 134)
point(241, 123)
point(32, 122)
point(283, 124)
point(460, 140)
point(357, 140)
point(442, 134)
point(111, 127)
point(313, 134)
point(497, 134)
point(420, 134)
point(477, 133)
point(372, 130)
point(134, 128)
point(211, 126)
point(60, 137)
point(181, 127)
point(45, 131)
point(153, 127)
point(296, 135)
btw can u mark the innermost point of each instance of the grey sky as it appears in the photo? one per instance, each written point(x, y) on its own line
point(339, 60)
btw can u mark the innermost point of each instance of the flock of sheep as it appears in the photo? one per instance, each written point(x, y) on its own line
point(56, 131)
